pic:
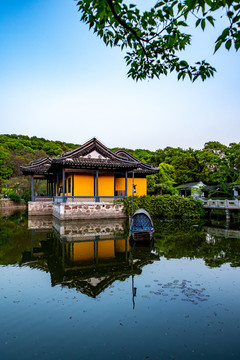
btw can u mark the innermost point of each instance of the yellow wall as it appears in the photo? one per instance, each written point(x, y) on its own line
point(121, 245)
point(141, 188)
point(106, 249)
point(68, 176)
point(106, 185)
point(83, 251)
point(83, 185)
point(119, 184)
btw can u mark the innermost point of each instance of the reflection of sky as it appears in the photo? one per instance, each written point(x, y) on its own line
point(37, 319)
point(59, 81)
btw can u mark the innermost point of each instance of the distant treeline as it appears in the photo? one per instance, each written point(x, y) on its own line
point(214, 164)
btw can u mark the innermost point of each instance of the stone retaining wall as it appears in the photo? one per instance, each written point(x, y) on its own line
point(9, 204)
point(91, 210)
point(40, 208)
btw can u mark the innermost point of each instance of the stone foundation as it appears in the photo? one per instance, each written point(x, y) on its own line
point(40, 208)
point(40, 223)
point(88, 229)
point(90, 210)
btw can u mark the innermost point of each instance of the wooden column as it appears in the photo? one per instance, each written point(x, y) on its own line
point(57, 184)
point(32, 187)
point(126, 181)
point(54, 187)
point(132, 192)
point(97, 198)
point(72, 184)
point(63, 184)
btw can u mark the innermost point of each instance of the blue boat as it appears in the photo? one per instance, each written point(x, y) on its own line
point(141, 226)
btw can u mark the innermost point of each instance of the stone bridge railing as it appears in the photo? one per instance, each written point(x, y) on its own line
point(221, 204)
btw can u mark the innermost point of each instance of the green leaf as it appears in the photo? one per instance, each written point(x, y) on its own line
point(203, 24)
point(179, 76)
point(197, 22)
point(217, 46)
point(191, 3)
point(228, 44)
point(182, 23)
point(225, 33)
point(183, 63)
point(211, 20)
point(237, 45)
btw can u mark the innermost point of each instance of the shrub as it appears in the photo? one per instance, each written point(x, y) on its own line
point(14, 197)
point(165, 206)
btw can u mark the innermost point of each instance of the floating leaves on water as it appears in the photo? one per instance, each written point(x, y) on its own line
point(187, 290)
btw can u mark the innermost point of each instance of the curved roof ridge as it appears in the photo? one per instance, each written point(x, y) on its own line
point(134, 158)
point(38, 162)
point(90, 145)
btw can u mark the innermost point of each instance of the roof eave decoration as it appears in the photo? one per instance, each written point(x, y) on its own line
point(92, 155)
point(40, 166)
point(143, 167)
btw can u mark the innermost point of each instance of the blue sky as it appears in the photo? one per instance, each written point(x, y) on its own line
point(60, 82)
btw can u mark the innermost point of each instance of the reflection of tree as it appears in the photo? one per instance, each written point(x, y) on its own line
point(187, 239)
point(14, 237)
point(173, 239)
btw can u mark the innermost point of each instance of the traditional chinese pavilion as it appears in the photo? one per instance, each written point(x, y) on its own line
point(92, 171)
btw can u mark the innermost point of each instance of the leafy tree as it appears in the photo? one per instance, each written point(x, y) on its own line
point(222, 164)
point(6, 168)
point(153, 39)
point(186, 164)
point(162, 183)
point(52, 149)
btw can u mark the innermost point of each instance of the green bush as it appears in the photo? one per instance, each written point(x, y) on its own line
point(165, 206)
point(14, 197)
point(26, 196)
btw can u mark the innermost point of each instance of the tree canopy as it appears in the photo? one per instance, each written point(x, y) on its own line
point(154, 39)
point(215, 164)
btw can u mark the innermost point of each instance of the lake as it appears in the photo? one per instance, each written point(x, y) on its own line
point(80, 290)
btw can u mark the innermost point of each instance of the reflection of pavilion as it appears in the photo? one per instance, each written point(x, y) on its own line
point(87, 256)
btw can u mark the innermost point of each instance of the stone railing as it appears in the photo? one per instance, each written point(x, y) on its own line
point(226, 233)
point(221, 204)
point(71, 199)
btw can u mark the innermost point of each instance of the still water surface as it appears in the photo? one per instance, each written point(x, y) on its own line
point(80, 290)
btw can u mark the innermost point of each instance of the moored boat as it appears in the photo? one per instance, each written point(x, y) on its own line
point(141, 226)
